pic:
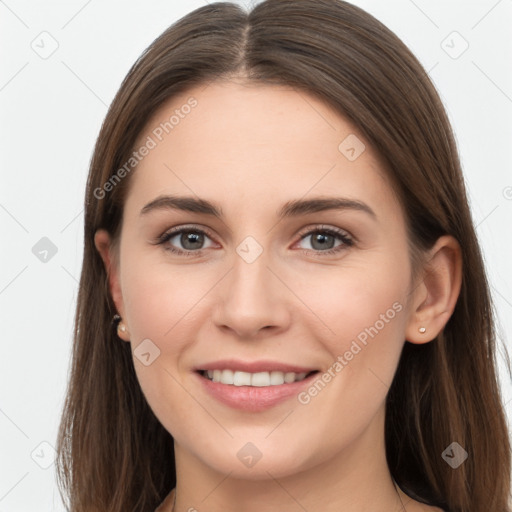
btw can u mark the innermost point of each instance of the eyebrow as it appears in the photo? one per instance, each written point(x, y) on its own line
point(292, 208)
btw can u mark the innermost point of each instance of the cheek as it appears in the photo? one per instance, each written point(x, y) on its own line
point(163, 304)
point(364, 311)
point(159, 297)
point(358, 302)
point(366, 315)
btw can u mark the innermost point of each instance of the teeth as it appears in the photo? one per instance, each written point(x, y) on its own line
point(240, 379)
point(259, 379)
point(276, 378)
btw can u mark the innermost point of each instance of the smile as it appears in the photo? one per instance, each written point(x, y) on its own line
point(253, 386)
point(258, 379)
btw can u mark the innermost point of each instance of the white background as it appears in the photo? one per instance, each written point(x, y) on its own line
point(51, 111)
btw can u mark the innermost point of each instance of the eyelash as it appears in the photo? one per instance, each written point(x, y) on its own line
point(337, 233)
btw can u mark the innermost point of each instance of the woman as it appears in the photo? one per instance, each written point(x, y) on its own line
point(283, 304)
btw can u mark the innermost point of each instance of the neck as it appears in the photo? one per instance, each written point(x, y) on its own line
point(356, 478)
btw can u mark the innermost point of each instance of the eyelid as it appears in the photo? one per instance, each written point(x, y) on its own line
point(185, 227)
point(302, 233)
point(346, 238)
point(324, 227)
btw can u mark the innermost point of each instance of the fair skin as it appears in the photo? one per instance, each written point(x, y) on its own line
point(250, 149)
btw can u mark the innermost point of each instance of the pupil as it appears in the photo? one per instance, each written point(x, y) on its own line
point(322, 238)
point(191, 238)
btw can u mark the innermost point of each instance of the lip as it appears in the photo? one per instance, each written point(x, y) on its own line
point(252, 398)
point(253, 366)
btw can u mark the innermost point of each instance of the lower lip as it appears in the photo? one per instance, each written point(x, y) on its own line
point(253, 398)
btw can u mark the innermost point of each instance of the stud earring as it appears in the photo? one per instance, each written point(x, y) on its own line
point(422, 329)
point(120, 326)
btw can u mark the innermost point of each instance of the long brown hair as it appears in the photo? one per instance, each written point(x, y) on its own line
point(113, 454)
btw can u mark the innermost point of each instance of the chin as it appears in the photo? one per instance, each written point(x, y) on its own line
point(247, 462)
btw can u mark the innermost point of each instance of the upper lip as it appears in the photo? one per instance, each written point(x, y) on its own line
point(254, 366)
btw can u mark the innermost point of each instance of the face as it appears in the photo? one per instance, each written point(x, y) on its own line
point(299, 307)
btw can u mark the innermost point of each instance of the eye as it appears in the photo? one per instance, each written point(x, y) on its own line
point(324, 240)
point(189, 239)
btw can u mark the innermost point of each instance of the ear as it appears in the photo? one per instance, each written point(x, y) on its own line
point(435, 297)
point(104, 245)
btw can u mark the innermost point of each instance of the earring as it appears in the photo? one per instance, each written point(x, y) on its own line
point(117, 320)
point(422, 329)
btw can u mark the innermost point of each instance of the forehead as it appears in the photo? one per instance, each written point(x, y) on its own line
point(231, 141)
point(231, 115)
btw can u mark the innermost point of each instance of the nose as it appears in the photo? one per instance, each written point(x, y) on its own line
point(251, 302)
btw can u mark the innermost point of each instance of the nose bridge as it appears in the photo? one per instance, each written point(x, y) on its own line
point(250, 298)
point(250, 289)
point(249, 278)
